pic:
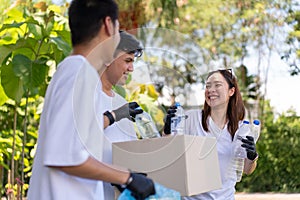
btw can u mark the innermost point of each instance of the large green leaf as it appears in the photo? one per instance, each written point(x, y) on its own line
point(5, 50)
point(62, 45)
point(3, 97)
point(22, 67)
point(39, 74)
point(12, 85)
point(33, 74)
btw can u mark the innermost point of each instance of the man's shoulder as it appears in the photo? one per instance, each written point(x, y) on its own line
point(73, 60)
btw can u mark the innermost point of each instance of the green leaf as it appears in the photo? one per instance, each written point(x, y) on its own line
point(13, 25)
point(12, 85)
point(15, 14)
point(3, 97)
point(56, 54)
point(36, 30)
point(44, 49)
point(5, 51)
point(120, 90)
point(31, 20)
point(22, 66)
point(39, 74)
point(65, 36)
point(50, 24)
point(33, 74)
point(62, 45)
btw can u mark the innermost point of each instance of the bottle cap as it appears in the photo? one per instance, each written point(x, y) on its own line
point(246, 122)
point(256, 122)
point(177, 104)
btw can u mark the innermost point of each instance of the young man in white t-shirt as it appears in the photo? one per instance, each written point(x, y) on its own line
point(69, 158)
point(119, 127)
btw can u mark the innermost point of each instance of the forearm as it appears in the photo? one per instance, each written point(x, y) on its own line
point(93, 169)
point(249, 166)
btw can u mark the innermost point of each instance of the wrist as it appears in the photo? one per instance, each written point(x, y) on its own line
point(110, 117)
point(129, 180)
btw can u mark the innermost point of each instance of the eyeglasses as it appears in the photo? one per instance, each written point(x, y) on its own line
point(227, 73)
point(230, 71)
point(129, 46)
point(138, 52)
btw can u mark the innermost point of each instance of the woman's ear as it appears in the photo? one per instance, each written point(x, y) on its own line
point(231, 91)
point(109, 26)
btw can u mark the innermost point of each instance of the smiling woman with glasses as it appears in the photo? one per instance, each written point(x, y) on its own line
point(221, 117)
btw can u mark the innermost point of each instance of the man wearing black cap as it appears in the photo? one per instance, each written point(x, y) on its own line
point(119, 114)
point(117, 108)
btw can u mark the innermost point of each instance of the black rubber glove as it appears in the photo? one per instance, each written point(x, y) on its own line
point(128, 111)
point(170, 113)
point(121, 188)
point(249, 145)
point(140, 186)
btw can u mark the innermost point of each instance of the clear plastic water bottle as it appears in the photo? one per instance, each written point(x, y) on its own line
point(146, 125)
point(255, 129)
point(178, 122)
point(239, 152)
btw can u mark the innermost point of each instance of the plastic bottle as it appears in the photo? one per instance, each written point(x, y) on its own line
point(240, 152)
point(255, 129)
point(146, 126)
point(178, 122)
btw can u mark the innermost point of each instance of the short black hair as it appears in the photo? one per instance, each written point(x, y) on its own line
point(129, 44)
point(86, 18)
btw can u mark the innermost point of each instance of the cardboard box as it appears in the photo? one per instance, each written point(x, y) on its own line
point(186, 163)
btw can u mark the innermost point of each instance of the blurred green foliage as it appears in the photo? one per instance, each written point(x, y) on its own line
point(279, 156)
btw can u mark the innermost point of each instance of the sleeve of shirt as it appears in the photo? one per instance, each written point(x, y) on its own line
point(193, 122)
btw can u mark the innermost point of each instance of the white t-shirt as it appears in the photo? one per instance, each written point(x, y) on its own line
point(224, 149)
point(70, 131)
point(120, 131)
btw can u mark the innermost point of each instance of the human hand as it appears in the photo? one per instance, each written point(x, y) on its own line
point(121, 188)
point(249, 145)
point(128, 111)
point(140, 186)
point(170, 113)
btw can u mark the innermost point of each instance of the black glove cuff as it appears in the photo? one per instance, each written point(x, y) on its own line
point(110, 117)
point(256, 158)
point(129, 180)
